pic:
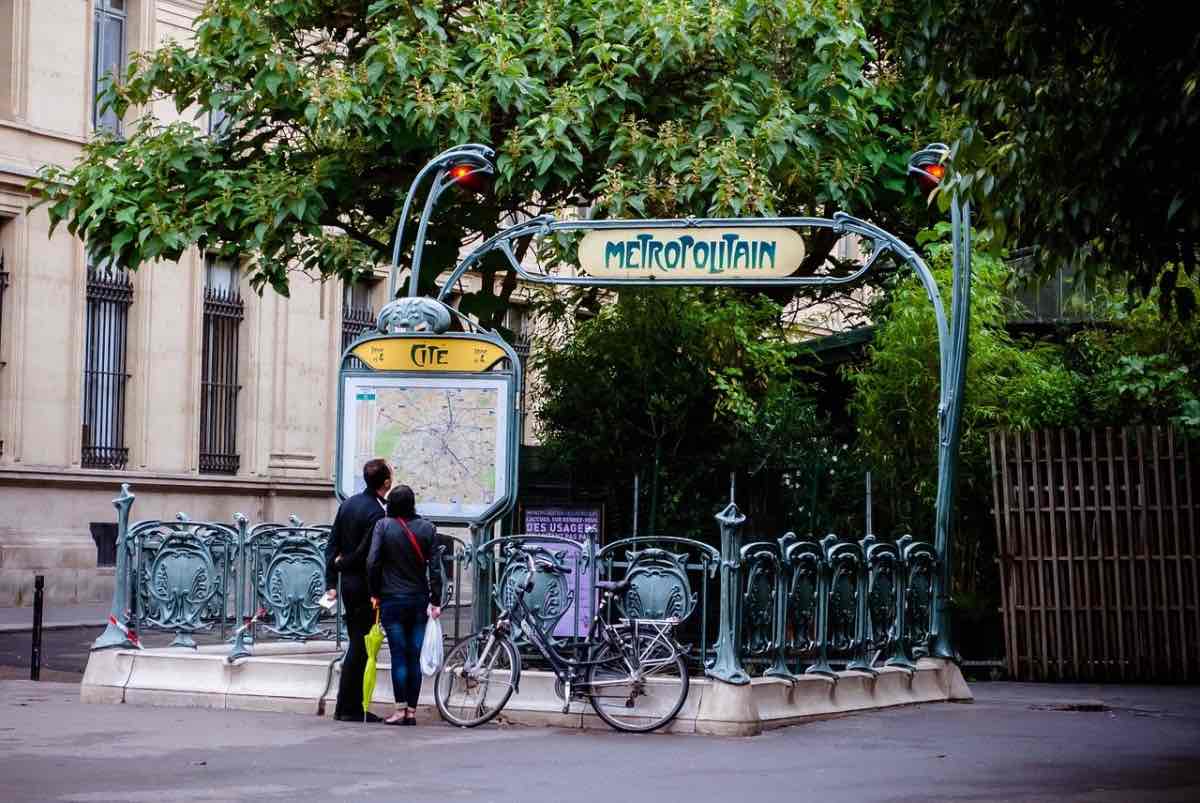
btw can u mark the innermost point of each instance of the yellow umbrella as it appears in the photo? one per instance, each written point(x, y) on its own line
point(374, 640)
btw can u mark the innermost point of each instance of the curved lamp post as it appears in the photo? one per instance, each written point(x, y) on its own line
point(928, 167)
point(463, 165)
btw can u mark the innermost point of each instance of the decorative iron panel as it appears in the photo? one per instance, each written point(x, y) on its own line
point(223, 313)
point(106, 340)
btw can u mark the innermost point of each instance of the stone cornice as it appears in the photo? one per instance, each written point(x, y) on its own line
point(65, 478)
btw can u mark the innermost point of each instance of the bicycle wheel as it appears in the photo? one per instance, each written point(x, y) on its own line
point(474, 682)
point(643, 702)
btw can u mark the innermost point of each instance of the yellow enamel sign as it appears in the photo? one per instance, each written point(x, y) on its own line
point(716, 254)
point(429, 354)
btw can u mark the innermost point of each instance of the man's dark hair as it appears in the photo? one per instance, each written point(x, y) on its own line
point(376, 473)
point(401, 503)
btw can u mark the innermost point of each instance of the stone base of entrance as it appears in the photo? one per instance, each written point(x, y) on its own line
point(303, 678)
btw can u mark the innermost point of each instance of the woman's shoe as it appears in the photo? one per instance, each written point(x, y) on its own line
point(395, 719)
point(409, 721)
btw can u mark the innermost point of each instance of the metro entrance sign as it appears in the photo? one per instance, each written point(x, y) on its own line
point(745, 252)
point(714, 254)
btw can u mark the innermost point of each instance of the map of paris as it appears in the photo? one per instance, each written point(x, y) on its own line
point(445, 440)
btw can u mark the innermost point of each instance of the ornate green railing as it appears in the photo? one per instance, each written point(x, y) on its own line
point(778, 607)
point(231, 579)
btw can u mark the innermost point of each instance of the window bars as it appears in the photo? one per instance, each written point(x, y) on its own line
point(108, 59)
point(223, 313)
point(357, 316)
point(106, 340)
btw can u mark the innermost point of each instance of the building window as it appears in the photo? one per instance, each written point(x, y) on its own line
point(358, 318)
point(109, 59)
point(223, 313)
point(106, 340)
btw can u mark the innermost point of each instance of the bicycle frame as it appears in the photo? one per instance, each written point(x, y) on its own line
point(518, 616)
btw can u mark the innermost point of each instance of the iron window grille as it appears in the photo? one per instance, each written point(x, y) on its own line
point(358, 318)
point(106, 340)
point(108, 59)
point(223, 313)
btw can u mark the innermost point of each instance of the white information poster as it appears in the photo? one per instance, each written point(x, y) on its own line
point(445, 438)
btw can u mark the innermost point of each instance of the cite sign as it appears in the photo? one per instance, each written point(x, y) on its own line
point(429, 354)
point(720, 254)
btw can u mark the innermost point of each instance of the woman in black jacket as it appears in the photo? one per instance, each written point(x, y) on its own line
point(404, 582)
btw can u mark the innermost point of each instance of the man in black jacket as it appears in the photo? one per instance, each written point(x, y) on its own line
point(346, 554)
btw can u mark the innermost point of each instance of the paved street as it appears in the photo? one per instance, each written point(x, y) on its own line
point(1015, 743)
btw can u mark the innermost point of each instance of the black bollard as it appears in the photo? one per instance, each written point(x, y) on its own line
point(35, 656)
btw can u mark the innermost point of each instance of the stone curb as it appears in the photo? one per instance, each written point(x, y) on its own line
point(282, 678)
point(21, 628)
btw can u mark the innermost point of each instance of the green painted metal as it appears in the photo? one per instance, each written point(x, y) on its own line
point(284, 568)
point(183, 570)
point(478, 156)
point(953, 385)
point(118, 612)
point(727, 665)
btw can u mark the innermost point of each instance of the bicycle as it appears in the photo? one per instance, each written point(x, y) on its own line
point(633, 673)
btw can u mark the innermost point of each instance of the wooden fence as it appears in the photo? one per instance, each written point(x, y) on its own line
point(1098, 551)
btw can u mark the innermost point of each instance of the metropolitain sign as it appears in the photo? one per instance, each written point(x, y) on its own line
point(742, 252)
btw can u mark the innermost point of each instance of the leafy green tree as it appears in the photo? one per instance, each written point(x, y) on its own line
point(1138, 368)
point(679, 386)
point(638, 107)
point(1075, 125)
point(1009, 384)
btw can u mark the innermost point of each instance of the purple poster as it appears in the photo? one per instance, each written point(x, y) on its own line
point(571, 523)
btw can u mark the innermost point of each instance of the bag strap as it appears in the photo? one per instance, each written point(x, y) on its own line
point(412, 539)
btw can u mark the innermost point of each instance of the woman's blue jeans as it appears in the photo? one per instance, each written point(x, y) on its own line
point(403, 618)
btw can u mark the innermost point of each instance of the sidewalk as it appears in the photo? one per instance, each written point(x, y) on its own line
point(18, 620)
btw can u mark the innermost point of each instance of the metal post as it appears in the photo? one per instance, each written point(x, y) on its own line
point(824, 587)
point(477, 156)
point(869, 533)
point(35, 652)
point(727, 666)
point(243, 639)
point(480, 589)
point(114, 635)
point(941, 644)
point(953, 359)
point(635, 511)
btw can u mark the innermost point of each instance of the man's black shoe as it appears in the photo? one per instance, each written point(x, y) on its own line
point(369, 717)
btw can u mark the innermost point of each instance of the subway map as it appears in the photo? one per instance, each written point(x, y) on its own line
point(447, 443)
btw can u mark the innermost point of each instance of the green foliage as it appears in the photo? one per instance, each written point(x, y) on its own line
point(1009, 384)
point(1075, 127)
point(681, 386)
point(1132, 366)
point(1138, 368)
point(640, 107)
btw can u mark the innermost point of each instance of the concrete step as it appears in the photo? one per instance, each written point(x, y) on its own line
point(304, 678)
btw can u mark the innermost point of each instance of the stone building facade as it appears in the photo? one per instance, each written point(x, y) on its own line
point(178, 379)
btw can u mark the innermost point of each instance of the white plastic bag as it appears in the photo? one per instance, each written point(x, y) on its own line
point(431, 647)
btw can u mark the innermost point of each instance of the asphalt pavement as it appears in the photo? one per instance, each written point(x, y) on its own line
point(1017, 742)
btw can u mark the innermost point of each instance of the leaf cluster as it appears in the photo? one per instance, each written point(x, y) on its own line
point(637, 107)
point(1075, 126)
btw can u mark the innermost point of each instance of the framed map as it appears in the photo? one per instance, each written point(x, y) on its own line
point(446, 438)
